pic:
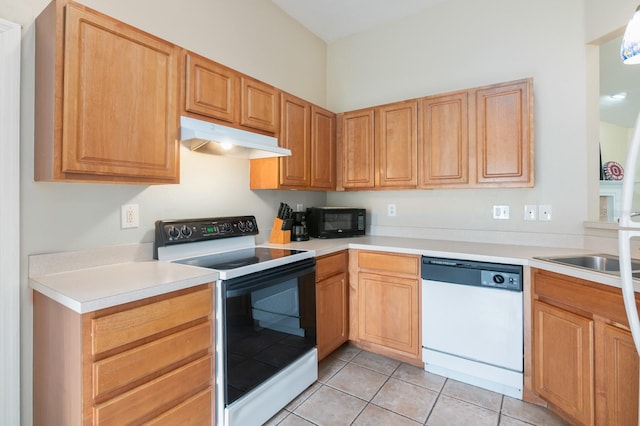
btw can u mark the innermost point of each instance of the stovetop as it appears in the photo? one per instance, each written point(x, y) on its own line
point(224, 244)
point(239, 258)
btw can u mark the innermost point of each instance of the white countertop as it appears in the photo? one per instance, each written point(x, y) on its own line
point(100, 286)
point(90, 289)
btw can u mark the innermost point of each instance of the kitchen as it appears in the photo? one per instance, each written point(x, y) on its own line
point(63, 217)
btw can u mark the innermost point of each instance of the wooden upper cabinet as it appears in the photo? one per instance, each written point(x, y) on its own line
point(356, 156)
point(211, 89)
point(260, 107)
point(443, 154)
point(310, 133)
point(295, 135)
point(323, 149)
point(106, 100)
point(504, 134)
point(396, 145)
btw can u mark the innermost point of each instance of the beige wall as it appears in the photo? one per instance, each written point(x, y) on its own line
point(465, 43)
point(252, 36)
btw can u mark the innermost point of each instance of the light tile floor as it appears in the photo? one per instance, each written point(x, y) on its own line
point(356, 387)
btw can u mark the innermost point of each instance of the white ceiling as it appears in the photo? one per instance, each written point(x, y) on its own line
point(332, 20)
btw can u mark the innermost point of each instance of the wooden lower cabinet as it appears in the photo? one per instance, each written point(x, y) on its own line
point(563, 358)
point(387, 304)
point(145, 361)
point(584, 360)
point(332, 292)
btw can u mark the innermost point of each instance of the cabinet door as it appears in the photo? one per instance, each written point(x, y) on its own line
point(388, 312)
point(396, 145)
point(120, 100)
point(332, 313)
point(294, 134)
point(323, 149)
point(210, 88)
point(260, 108)
point(357, 150)
point(504, 134)
point(443, 153)
point(563, 360)
point(618, 374)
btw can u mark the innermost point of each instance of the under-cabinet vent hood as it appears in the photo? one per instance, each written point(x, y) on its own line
point(229, 141)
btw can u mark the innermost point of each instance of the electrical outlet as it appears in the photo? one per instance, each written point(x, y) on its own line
point(544, 212)
point(530, 211)
point(391, 209)
point(501, 212)
point(299, 207)
point(129, 216)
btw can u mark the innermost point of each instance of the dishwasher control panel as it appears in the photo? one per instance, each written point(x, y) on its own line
point(471, 272)
point(505, 280)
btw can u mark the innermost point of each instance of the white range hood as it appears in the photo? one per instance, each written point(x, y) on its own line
point(229, 141)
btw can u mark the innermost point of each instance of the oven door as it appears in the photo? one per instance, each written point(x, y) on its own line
point(269, 321)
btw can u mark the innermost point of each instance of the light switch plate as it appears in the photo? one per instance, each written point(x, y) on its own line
point(530, 211)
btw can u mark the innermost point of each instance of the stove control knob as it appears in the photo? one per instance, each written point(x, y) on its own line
point(186, 231)
point(249, 225)
point(498, 279)
point(173, 232)
point(226, 227)
point(241, 226)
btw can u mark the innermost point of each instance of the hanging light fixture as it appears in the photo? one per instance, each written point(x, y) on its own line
point(630, 48)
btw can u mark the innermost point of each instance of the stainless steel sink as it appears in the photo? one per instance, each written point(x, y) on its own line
point(607, 263)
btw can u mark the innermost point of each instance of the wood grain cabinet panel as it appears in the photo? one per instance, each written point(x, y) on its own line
point(162, 364)
point(309, 132)
point(193, 412)
point(295, 134)
point(260, 107)
point(396, 143)
point(323, 149)
point(211, 89)
point(332, 300)
point(443, 154)
point(386, 304)
point(617, 378)
point(504, 140)
point(584, 359)
point(357, 152)
point(107, 100)
point(563, 360)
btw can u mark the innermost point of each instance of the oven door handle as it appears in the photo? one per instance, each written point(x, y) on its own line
point(243, 285)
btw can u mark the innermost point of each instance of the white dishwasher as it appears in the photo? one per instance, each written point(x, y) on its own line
point(472, 323)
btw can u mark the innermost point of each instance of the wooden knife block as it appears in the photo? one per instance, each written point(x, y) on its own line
point(278, 236)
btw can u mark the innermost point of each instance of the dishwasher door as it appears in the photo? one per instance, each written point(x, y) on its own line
point(477, 323)
point(474, 335)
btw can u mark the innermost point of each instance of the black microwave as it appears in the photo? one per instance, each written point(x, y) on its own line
point(336, 222)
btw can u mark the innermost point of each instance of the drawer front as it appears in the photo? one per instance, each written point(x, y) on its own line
point(134, 365)
point(327, 266)
point(389, 262)
point(195, 411)
point(124, 327)
point(147, 401)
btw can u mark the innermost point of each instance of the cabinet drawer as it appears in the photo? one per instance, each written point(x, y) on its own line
point(124, 327)
point(389, 262)
point(131, 366)
point(164, 393)
point(195, 411)
point(329, 265)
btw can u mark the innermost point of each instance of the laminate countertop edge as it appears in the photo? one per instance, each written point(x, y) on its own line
point(98, 287)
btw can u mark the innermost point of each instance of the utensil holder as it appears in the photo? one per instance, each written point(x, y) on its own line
point(278, 236)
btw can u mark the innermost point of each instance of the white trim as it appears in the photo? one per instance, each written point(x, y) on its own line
point(10, 35)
